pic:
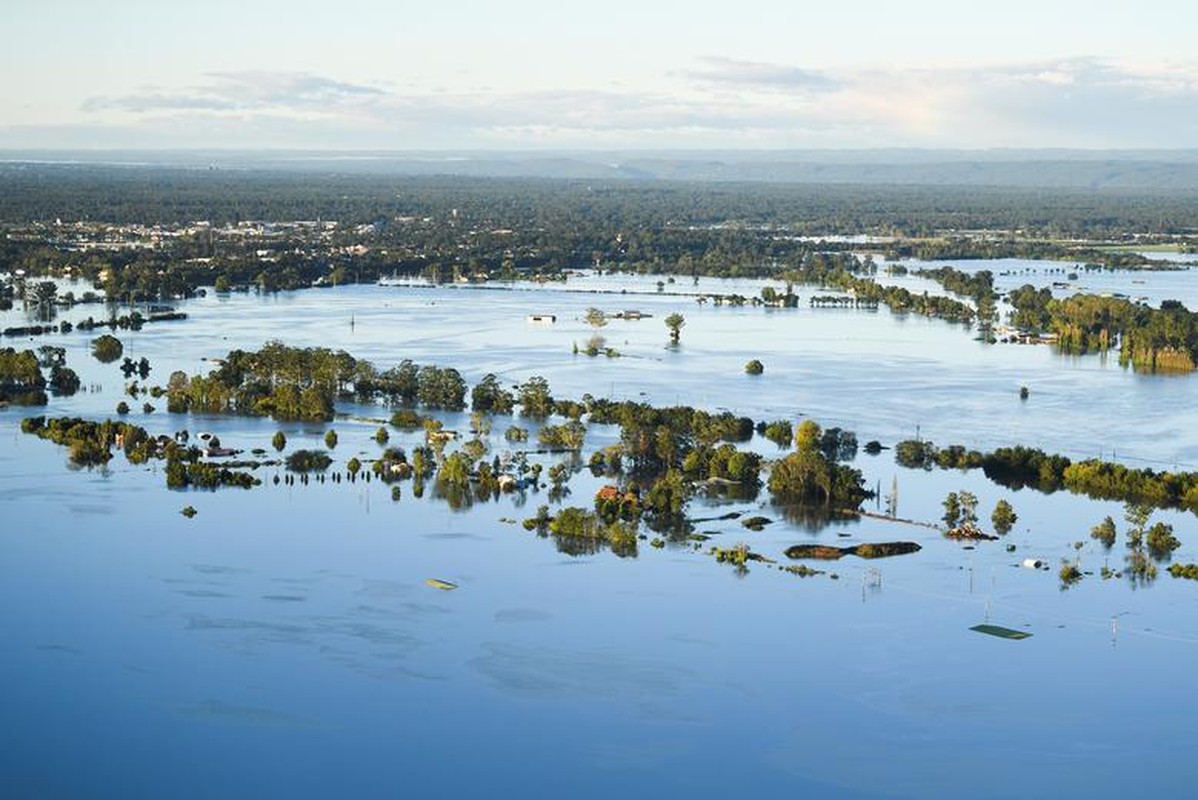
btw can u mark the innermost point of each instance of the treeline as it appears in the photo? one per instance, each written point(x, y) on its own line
point(1018, 467)
point(90, 443)
point(971, 248)
point(655, 443)
point(868, 293)
point(304, 383)
point(1148, 338)
point(159, 194)
point(444, 228)
point(133, 321)
point(22, 381)
point(812, 475)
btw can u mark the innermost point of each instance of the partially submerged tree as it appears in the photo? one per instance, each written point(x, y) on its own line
point(1003, 517)
point(1105, 532)
point(675, 322)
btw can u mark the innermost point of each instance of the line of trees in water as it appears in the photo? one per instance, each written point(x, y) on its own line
point(662, 457)
point(970, 248)
point(1152, 339)
point(90, 443)
point(305, 383)
point(22, 381)
point(653, 441)
point(1018, 467)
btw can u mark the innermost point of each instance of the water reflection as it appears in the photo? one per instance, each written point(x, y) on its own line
point(814, 519)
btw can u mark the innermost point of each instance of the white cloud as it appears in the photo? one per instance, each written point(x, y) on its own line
point(250, 90)
point(761, 75)
point(716, 102)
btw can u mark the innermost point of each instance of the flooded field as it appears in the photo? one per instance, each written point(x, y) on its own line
point(284, 641)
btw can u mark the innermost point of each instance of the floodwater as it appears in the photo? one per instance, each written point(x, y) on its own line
point(283, 642)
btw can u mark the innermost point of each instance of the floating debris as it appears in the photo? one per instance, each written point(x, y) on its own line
point(437, 583)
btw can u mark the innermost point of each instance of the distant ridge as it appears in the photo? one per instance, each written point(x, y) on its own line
point(1173, 170)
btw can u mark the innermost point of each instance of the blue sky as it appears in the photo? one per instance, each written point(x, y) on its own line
point(529, 74)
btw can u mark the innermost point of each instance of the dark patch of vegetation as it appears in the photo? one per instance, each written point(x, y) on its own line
point(581, 532)
point(1105, 533)
point(182, 472)
point(568, 436)
point(802, 570)
point(21, 379)
point(809, 476)
point(106, 348)
point(90, 443)
point(308, 461)
point(1003, 517)
point(1188, 571)
point(827, 552)
point(64, 382)
point(738, 556)
point(780, 432)
point(489, 397)
point(1018, 467)
point(1150, 339)
point(535, 399)
point(885, 549)
point(674, 323)
point(407, 419)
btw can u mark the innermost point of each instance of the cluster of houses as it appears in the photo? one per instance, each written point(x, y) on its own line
point(629, 314)
point(1008, 335)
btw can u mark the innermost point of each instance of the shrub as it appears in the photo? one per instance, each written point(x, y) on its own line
point(308, 461)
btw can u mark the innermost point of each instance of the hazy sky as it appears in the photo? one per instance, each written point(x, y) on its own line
point(615, 74)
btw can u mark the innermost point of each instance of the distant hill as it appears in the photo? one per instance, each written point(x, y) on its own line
point(1173, 170)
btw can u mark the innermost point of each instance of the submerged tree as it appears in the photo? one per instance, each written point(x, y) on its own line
point(1161, 541)
point(675, 322)
point(960, 508)
point(1105, 532)
point(535, 399)
point(107, 348)
point(1003, 517)
point(808, 476)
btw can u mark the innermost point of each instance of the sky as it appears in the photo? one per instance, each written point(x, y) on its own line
point(533, 74)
